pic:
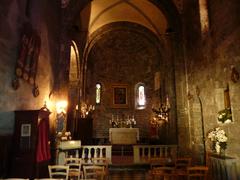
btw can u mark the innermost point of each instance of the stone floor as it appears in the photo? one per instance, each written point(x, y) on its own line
point(122, 168)
point(128, 174)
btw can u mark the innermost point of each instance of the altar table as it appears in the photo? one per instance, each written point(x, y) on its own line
point(123, 135)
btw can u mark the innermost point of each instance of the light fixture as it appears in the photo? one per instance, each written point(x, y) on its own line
point(86, 109)
point(161, 114)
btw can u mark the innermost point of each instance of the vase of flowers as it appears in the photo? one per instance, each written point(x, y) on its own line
point(219, 140)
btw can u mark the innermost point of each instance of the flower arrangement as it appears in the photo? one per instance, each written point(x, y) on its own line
point(64, 136)
point(219, 139)
point(225, 115)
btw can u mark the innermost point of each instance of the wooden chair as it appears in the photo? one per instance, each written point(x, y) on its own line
point(158, 162)
point(58, 171)
point(93, 171)
point(181, 165)
point(101, 161)
point(15, 179)
point(197, 172)
point(163, 173)
point(74, 167)
point(46, 179)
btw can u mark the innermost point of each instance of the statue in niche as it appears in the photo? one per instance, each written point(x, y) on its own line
point(61, 122)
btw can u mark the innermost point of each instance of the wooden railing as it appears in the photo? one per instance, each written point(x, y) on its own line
point(143, 153)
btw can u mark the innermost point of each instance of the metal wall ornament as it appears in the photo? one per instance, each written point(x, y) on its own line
point(234, 75)
point(27, 62)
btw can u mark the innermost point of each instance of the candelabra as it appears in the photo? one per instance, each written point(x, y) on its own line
point(128, 121)
point(86, 109)
point(161, 114)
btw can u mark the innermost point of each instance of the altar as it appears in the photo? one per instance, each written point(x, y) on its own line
point(123, 135)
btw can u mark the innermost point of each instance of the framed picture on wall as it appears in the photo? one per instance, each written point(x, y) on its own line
point(120, 95)
point(26, 130)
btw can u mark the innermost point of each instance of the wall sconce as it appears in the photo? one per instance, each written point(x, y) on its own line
point(61, 108)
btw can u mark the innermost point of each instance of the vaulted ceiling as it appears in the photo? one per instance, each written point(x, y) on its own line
point(143, 12)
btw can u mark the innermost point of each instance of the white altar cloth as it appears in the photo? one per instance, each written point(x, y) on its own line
point(123, 135)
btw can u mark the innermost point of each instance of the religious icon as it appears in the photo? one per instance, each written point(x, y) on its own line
point(120, 92)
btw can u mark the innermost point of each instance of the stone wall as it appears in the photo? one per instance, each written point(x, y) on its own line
point(209, 61)
point(44, 18)
point(125, 55)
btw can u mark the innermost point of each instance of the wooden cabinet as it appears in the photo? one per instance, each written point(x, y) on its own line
point(25, 141)
point(23, 163)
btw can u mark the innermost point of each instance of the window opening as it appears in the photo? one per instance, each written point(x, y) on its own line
point(74, 63)
point(204, 20)
point(98, 93)
point(140, 101)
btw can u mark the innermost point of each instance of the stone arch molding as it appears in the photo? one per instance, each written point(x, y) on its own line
point(139, 30)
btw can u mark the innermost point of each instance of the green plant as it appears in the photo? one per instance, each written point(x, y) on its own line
point(225, 115)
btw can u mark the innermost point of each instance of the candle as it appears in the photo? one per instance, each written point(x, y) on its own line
point(167, 102)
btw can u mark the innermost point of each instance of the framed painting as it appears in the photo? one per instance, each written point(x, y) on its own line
point(26, 130)
point(120, 95)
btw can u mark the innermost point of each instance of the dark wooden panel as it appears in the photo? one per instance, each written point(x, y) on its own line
point(5, 144)
point(85, 130)
point(23, 163)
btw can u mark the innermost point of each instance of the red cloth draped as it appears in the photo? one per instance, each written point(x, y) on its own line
point(43, 148)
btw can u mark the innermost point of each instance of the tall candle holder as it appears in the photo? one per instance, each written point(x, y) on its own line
point(124, 121)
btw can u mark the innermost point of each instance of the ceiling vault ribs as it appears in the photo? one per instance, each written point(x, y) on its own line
point(133, 6)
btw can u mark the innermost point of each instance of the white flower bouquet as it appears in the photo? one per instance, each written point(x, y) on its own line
point(219, 139)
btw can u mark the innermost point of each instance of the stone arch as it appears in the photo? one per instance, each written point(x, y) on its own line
point(120, 26)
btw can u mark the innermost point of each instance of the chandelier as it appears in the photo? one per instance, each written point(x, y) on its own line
point(85, 110)
point(161, 114)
